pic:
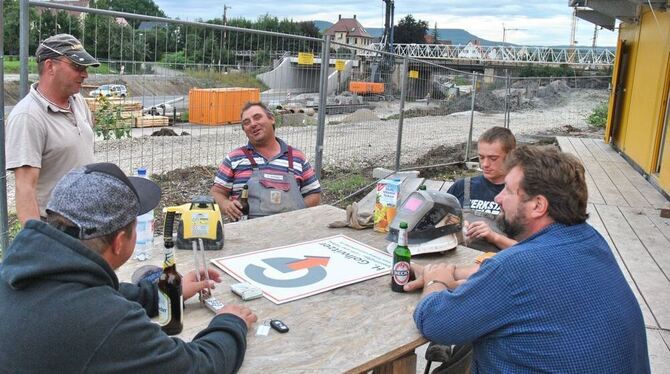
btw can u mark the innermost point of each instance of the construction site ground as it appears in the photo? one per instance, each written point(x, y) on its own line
point(370, 138)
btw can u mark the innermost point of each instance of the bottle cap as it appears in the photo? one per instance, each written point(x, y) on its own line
point(403, 225)
point(142, 172)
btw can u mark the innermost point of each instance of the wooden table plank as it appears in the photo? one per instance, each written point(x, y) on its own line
point(656, 244)
point(432, 184)
point(659, 353)
point(648, 277)
point(595, 221)
point(335, 331)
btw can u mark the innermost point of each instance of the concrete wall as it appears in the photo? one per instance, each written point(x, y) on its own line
point(288, 75)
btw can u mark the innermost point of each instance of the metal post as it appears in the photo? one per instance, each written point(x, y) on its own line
point(468, 145)
point(4, 219)
point(508, 83)
point(507, 98)
point(403, 96)
point(23, 48)
point(323, 97)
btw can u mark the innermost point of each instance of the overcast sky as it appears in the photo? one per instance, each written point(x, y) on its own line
point(543, 22)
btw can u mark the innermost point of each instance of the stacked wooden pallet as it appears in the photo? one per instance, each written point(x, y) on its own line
point(131, 113)
point(151, 121)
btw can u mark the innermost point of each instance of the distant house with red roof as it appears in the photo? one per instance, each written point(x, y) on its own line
point(349, 31)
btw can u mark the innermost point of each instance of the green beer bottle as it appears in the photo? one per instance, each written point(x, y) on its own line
point(400, 273)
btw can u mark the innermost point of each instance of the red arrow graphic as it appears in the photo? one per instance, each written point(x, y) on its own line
point(309, 262)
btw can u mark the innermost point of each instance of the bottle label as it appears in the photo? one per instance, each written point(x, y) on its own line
point(164, 311)
point(401, 271)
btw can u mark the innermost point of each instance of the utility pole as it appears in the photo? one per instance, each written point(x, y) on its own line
point(224, 22)
point(595, 37)
point(573, 28)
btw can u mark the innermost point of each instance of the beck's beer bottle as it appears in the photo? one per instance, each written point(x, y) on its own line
point(400, 273)
point(170, 298)
point(244, 200)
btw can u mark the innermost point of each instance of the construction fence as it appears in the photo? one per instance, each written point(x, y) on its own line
point(186, 82)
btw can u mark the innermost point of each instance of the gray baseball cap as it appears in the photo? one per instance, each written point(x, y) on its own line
point(100, 199)
point(65, 45)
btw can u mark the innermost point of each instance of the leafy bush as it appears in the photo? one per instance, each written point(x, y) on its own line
point(108, 121)
point(598, 116)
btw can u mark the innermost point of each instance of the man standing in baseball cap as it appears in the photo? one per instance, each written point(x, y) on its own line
point(50, 130)
point(62, 304)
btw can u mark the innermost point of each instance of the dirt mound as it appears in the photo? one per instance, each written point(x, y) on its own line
point(361, 115)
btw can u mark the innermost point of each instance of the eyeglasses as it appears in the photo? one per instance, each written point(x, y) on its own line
point(77, 67)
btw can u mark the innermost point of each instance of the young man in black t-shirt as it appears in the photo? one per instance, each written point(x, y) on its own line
point(477, 194)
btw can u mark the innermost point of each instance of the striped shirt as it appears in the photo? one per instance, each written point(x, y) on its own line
point(235, 170)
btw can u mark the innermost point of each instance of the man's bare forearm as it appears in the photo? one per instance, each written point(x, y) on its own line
point(312, 199)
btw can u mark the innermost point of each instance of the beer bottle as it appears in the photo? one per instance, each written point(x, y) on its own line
point(170, 298)
point(422, 187)
point(400, 273)
point(244, 200)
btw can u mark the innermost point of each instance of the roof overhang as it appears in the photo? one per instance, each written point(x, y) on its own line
point(604, 13)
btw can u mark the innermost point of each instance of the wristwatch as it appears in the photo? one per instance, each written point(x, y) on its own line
point(436, 281)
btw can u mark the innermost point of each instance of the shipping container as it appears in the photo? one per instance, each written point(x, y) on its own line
point(218, 106)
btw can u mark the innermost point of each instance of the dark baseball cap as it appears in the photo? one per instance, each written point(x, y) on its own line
point(65, 45)
point(100, 199)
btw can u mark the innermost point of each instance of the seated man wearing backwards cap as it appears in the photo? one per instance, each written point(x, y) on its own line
point(63, 309)
point(49, 132)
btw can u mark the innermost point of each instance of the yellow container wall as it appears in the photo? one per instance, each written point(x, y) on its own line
point(646, 81)
point(219, 106)
point(664, 174)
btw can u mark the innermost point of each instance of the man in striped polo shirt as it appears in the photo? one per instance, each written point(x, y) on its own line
point(278, 176)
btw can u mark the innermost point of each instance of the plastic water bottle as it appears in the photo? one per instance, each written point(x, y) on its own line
point(145, 230)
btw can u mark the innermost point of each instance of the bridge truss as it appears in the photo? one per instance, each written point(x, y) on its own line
point(594, 58)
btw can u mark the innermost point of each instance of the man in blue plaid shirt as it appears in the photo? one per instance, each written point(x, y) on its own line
point(556, 302)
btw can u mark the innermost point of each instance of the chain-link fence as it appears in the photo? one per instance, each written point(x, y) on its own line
point(184, 84)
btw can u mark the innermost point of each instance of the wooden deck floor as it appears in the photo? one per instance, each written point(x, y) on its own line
point(624, 208)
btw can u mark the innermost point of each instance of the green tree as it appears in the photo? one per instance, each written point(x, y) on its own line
point(11, 28)
point(410, 30)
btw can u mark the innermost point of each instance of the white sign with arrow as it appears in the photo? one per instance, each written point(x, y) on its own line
point(300, 270)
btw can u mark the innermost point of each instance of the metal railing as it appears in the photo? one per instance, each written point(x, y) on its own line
point(505, 55)
point(421, 108)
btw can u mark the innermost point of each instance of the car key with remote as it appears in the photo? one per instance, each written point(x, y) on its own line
point(279, 326)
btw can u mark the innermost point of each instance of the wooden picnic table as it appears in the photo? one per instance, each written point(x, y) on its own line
point(353, 329)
